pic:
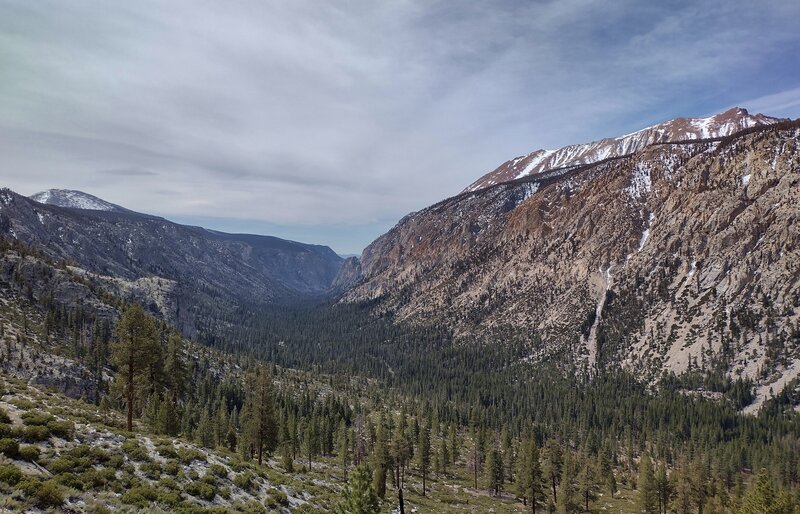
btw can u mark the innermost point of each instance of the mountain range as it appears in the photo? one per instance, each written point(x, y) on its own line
point(203, 274)
point(669, 257)
point(671, 249)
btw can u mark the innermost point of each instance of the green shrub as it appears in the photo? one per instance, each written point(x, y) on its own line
point(62, 464)
point(22, 403)
point(94, 455)
point(115, 461)
point(187, 455)
point(280, 497)
point(167, 451)
point(97, 508)
point(10, 474)
point(135, 450)
point(169, 498)
point(151, 470)
point(168, 483)
point(140, 496)
point(9, 448)
point(218, 470)
point(201, 490)
point(276, 499)
point(35, 433)
point(171, 467)
point(49, 494)
point(253, 507)
point(62, 429)
point(97, 478)
point(70, 480)
point(36, 418)
point(243, 481)
point(29, 453)
point(4, 417)
point(5, 431)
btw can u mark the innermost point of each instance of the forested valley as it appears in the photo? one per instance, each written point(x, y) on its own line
point(321, 407)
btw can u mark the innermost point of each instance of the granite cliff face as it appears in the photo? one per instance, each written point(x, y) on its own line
point(677, 255)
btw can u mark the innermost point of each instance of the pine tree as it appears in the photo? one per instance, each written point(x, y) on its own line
point(662, 488)
point(508, 456)
point(221, 424)
point(262, 426)
point(310, 440)
point(455, 445)
point(358, 496)
point(343, 448)
point(444, 456)
point(204, 433)
point(175, 368)
point(380, 459)
point(699, 472)
point(530, 478)
point(587, 481)
point(553, 464)
point(476, 454)
point(167, 420)
point(230, 437)
point(401, 450)
point(287, 459)
point(607, 473)
point(648, 493)
point(568, 497)
point(135, 352)
point(682, 487)
point(761, 498)
point(494, 471)
point(424, 455)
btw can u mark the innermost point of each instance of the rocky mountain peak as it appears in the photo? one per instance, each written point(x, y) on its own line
point(678, 129)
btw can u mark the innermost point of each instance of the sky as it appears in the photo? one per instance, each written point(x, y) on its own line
point(326, 122)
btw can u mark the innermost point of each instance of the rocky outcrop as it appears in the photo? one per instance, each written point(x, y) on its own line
point(349, 274)
point(669, 258)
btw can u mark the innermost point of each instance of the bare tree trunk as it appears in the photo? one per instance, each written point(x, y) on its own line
point(400, 499)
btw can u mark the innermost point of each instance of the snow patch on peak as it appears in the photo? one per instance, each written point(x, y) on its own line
point(640, 181)
point(75, 200)
point(535, 161)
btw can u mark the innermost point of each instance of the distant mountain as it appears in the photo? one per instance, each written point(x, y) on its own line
point(678, 129)
point(196, 276)
point(679, 256)
point(75, 200)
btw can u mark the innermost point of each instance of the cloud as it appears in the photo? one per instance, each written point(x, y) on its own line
point(129, 172)
point(785, 103)
point(333, 115)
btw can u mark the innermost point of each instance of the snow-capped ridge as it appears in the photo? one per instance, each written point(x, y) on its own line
point(75, 200)
point(678, 129)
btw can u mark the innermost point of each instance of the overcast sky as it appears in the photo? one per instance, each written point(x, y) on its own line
point(327, 121)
